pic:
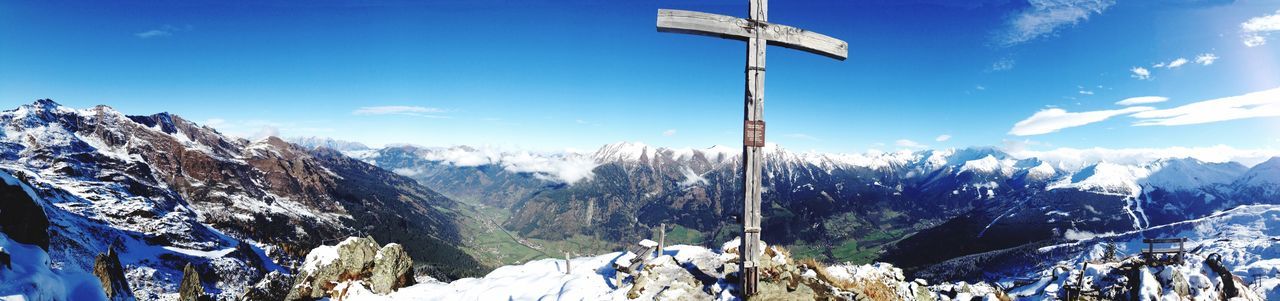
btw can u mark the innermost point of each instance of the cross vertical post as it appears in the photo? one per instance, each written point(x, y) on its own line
point(751, 152)
point(758, 33)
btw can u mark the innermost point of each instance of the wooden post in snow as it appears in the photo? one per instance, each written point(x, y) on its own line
point(662, 238)
point(566, 263)
point(757, 32)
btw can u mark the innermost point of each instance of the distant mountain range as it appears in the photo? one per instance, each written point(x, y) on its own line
point(164, 191)
point(914, 209)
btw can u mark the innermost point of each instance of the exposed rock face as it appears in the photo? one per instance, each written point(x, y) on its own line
point(5, 259)
point(191, 289)
point(355, 259)
point(109, 271)
point(392, 269)
point(21, 218)
point(272, 287)
point(165, 178)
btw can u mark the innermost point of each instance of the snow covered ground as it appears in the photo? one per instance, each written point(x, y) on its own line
point(681, 272)
point(1247, 238)
point(589, 278)
point(30, 276)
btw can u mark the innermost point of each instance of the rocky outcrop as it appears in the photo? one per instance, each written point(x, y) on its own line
point(392, 269)
point(273, 287)
point(5, 259)
point(699, 274)
point(353, 260)
point(21, 218)
point(191, 289)
point(109, 271)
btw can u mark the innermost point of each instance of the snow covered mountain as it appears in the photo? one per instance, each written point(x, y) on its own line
point(982, 197)
point(166, 192)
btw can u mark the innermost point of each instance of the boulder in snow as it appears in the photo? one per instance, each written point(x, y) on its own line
point(109, 271)
point(392, 269)
point(191, 289)
point(355, 259)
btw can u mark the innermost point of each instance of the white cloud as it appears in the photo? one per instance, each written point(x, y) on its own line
point(408, 172)
point(669, 133)
point(1206, 59)
point(1177, 63)
point(1074, 158)
point(1002, 65)
point(980, 88)
point(942, 138)
point(1158, 65)
point(1141, 100)
point(906, 143)
point(401, 110)
point(1264, 103)
point(1045, 17)
point(163, 31)
point(580, 121)
point(257, 129)
point(1256, 30)
point(1054, 119)
point(266, 131)
point(215, 122)
point(1140, 73)
point(1254, 41)
point(1086, 92)
point(566, 167)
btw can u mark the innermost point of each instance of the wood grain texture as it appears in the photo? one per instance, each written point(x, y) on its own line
point(729, 27)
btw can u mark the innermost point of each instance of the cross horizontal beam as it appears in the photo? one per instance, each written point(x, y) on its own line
point(729, 27)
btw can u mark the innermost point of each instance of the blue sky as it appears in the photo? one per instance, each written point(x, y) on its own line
point(579, 74)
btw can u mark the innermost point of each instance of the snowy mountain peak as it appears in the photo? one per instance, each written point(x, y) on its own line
point(1042, 171)
point(1265, 173)
point(1106, 178)
point(624, 151)
point(335, 144)
point(987, 165)
point(1190, 173)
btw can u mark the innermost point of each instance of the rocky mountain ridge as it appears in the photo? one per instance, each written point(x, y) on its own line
point(169, 192)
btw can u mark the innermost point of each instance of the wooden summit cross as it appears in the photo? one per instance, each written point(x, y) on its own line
point(757, 32)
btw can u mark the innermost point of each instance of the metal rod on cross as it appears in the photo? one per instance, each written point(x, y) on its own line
point(757, 32)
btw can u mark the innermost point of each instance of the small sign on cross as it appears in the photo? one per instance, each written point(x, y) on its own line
point(753, 133)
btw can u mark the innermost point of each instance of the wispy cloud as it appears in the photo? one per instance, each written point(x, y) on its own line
point(1264, 103)
point(907, 143)
point(942, 138)
point(802, 136)
point(258, 129)
point(1083, 91)
point(1054, 119)
point(1003, 64)
point(401, 110)
point(1140, 73)
point(1177, 63)
point(1072, 158)
point(1142, 100)
point(1045, 17)
point(1206, 59)
point(669, 133)
point(163, 31)
point(1256, 30)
